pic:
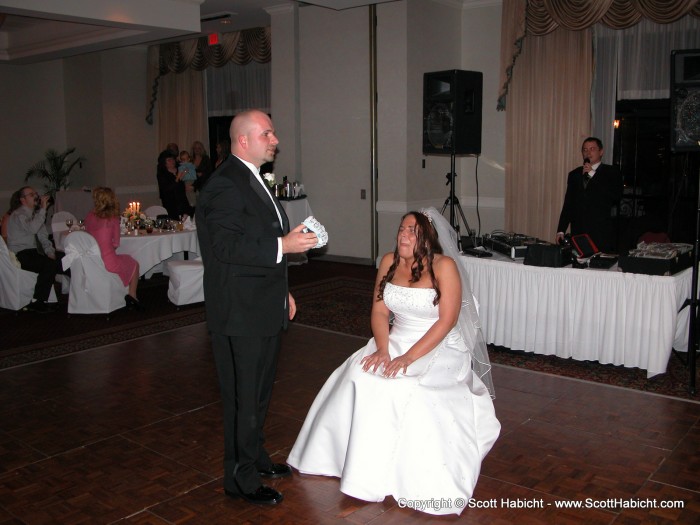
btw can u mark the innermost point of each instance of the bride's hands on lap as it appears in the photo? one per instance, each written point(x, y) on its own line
point(397, 365)
point(377, 359)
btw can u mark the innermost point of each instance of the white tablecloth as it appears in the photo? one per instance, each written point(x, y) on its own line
point(150, 250)
point(297, 211)
point(607, 316)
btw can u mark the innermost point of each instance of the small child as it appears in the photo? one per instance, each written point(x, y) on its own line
point(189, 176)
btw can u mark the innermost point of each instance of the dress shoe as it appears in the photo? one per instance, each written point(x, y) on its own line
point(264, 495)
point(276, 470)
point(39, 307)
point(132, 303)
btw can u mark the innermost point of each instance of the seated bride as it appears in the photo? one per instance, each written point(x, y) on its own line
point(409, 415)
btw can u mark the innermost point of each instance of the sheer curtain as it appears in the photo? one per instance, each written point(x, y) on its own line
point(635, 63)
point(176, 76)
point(182, 117)
point(234, 87)
point(547, 119)
point(604, 91)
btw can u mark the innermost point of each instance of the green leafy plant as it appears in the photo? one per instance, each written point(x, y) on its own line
point(54, 170)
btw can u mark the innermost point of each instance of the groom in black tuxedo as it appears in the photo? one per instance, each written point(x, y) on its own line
point(244, 237)
point(592, 190)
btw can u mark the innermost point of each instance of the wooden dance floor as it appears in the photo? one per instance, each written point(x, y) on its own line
point(133, 432)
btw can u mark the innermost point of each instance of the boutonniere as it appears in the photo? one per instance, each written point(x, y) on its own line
point(269, 178)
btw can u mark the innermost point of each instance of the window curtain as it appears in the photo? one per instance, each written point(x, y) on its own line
point(635, 63)
point(233, 88)
point(547, 119)
point(182, 115)
point(544, 16)
point(177, 79)
point(548, 114)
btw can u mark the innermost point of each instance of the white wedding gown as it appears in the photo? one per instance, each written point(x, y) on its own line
point(419, 436)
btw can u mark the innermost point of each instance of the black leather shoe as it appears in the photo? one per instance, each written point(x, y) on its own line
point(276, 470)
point(132, 303)
point(39, 307)
point(264, 495)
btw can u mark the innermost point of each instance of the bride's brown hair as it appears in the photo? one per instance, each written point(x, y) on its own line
point(427, 245)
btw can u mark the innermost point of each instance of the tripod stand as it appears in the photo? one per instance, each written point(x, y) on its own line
point(693, 302)
point(453, 203)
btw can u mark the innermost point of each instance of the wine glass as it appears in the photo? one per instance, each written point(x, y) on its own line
point(81, 224)
point(69, 223)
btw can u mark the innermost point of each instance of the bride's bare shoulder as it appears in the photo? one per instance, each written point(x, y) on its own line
point(444, 263)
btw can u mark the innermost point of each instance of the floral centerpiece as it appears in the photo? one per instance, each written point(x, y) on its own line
point(270, 179)
point(132, 213)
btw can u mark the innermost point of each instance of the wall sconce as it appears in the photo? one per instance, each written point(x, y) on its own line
point(616, 123)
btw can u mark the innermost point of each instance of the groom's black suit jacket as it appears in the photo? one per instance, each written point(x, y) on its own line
point(588, 209)
point(245, 289)
point(245, 293)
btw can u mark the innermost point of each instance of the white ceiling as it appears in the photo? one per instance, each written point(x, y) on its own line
point(37, 30)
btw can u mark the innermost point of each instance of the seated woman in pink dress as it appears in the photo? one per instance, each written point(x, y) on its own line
point(103, 224)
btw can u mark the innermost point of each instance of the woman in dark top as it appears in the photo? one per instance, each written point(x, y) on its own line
point(171, 187)
point(223, 150)
point(202, 162)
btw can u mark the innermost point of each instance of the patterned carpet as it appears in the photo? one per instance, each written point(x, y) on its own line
point(343, 305)
point(28, 337)
point(340, 304)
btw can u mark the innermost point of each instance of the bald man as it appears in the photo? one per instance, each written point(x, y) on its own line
point(244, 236)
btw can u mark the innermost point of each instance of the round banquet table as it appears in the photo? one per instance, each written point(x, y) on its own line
point(150, 249)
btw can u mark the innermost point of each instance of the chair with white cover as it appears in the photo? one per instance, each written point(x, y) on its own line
point(185, 285)
point(16, 285)
point(58, 225)
point(154, 211)
point(93, 290)
point(58, 221)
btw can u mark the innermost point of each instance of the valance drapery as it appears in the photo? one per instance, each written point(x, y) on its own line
point(550, 91)
point(540, 17)
point(239, 47)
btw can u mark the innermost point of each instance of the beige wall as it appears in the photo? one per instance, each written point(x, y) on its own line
point(95, 102)
point(320, 104)
point(481, 36)
point(33, 120)
point(334, 109)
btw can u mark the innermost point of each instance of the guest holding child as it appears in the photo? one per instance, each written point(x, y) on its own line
point(188, 173)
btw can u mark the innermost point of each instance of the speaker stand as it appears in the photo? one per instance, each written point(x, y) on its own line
point(453, 202)
point(693, 302)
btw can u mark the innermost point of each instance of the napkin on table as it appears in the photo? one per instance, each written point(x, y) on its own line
point(188, 224)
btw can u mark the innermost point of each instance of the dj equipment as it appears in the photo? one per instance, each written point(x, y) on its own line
point(547, 254)
point(513, 245)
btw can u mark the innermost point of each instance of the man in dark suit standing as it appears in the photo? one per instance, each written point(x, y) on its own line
point(244, 238)
point(592, 190)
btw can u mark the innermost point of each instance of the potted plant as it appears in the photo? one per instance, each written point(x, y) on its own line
point(54, 170)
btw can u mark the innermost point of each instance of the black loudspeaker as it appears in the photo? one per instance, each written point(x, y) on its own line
point(685, 100)
point(452, 112)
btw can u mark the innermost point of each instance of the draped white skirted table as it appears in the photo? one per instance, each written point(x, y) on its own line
point(150, 250)
point(297, 211)
point(607, 316)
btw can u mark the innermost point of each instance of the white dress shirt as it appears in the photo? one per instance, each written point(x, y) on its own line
point(256, 172)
